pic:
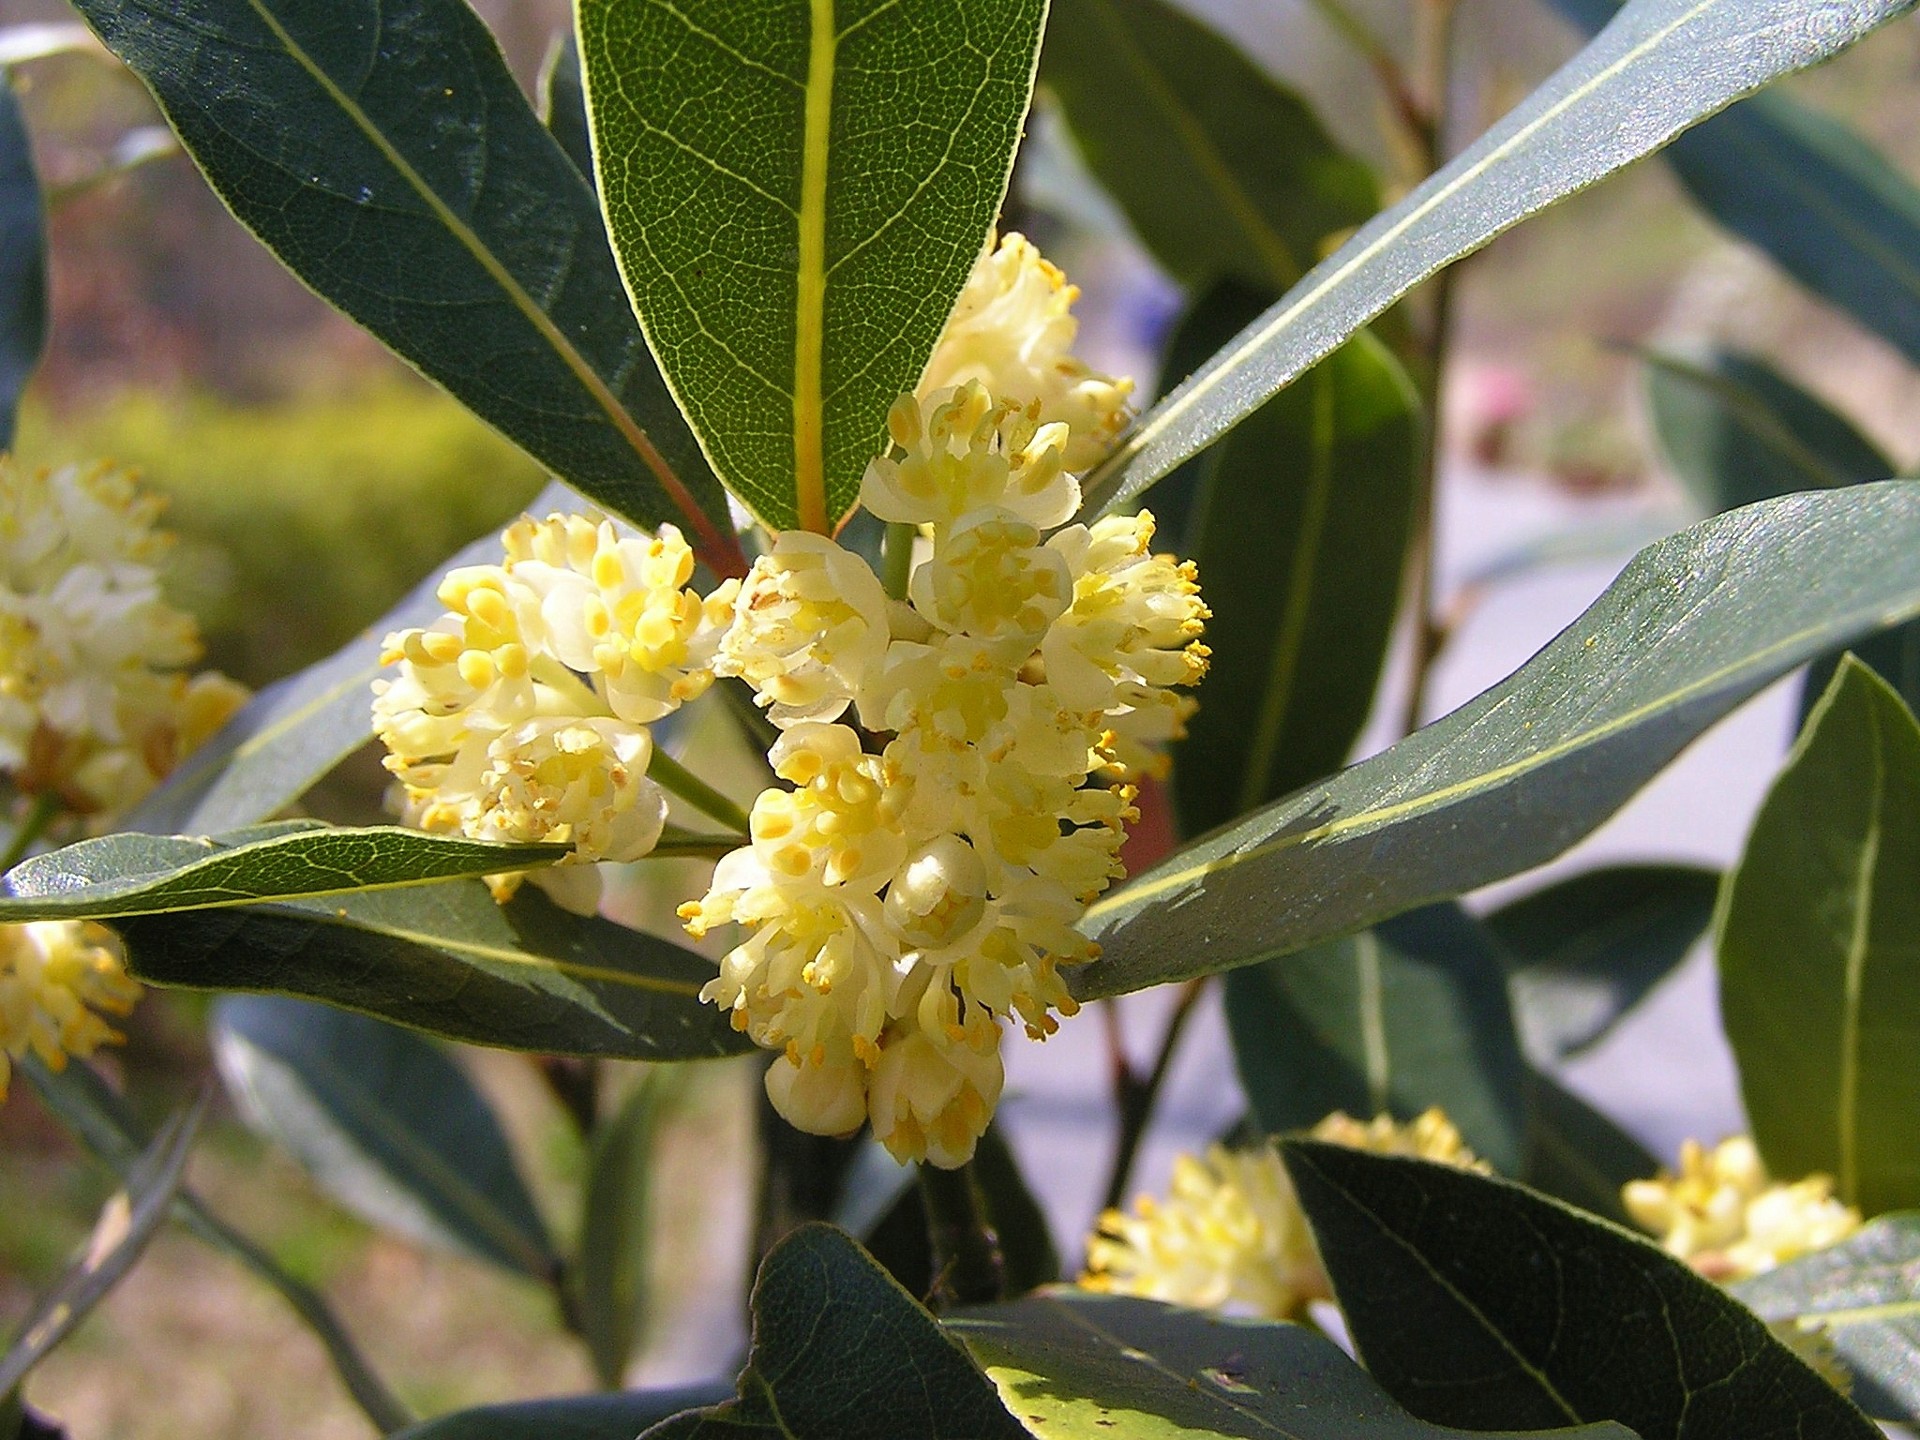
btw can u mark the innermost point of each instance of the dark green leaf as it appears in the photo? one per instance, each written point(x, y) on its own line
point(129, 874)
point(1576, 1154)
point(563, 103)
point(1026, 1243)
point(382, 150)
point(797, 190)
point(1076, 1366)
point(610, 1266)
point(1301, 537)
point(23, 262)
point(386, 1123)
point(1736, 431)
point(1864, 1295)
point(841, 1352)
point(131, 1218)
point(446, 959)
point(577, 1417)
point(1222, 171)
point(1587, 950)
point(1818, 991)
point(1893, 654)
point(1661, 66)
point(1477, 1303)
point(1396, 1019)
point(1696, 624)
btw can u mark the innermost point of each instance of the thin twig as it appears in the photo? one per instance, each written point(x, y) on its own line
point(46, 805)
point(670, 775)
point(1136, 1096)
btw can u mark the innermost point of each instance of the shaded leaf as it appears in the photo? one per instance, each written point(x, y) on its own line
point(23, 262)
point(384, 152)
point(1863, 1295)
point(1408, 1015)
point(1074, 1366)
point(1222, 170)
point(1819, 994)
point(1693, 626)
point(841, 1352)
point(1301, 535)
point(384, 1122)
point(130, 874)
point(131, 1218)
point(1026, 1241)
point(576, 1417)
point(1477, 1303)
point(797, 190)
point(1588, 949)
point(448, 960)
point(1893, 654)
point(610, 1266)
point(563, 104)
point(1661, 66)
point(1576, 1154)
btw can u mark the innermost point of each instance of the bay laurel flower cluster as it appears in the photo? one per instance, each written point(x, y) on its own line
point(522, 713)
point(1728, 1218)
point(1230, 1234)
point(98, 702)
point(58, 978)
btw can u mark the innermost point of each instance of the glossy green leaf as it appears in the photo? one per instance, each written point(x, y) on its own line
point(1864, 1296)
point(574, 1417)
point(448, 960)
point(609, 1273)
point(130, 1219)
point(1408, 1015)
point(23, 262)
point(1078, 1366)
point(384, 152)
point(384, 1122)
point(797, 190)
point(1819, 993)
point(1477, 1303)
point(1696, 624)
point(131, 874)
point(1222, 170)
point(1587, 950)
point(841, 1352)
point(1576, 1154)
point(102, 1123)
point(1811, 193)
point(1736, 431)
point(1300, 533)
point(1661, 66)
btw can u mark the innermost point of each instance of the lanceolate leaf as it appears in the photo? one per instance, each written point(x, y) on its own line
point(574, 1417)
point(1393, 1020)
point(1576, 1154)
point(1818, 990)
point(23, 262)
point(610, 1267)
point(1696, 624)
point(448, 960)
point(1075, 1366)
point(841, 1352)
point(563, 104)
point(1661, 66)
point(1301, 538)
point(386, 1124)
point(1863, 1295)
point(797, 190)
point(129, 874)
point(1479, 1304)
point(1223, 171)
point(382, 150)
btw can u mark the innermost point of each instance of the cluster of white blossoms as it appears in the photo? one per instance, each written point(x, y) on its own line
point(56, 977)
point(1728, 1219)
point(1231, 1233)
point(97, 703)
point(521, 714)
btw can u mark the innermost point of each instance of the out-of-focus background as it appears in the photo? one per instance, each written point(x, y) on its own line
point(312, 478)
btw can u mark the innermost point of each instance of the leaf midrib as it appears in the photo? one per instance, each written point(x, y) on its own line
point(810, 290)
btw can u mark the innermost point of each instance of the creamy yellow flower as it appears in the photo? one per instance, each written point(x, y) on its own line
point(1725, 1216)
point(57, 979)
point(963, 451)
point(1012, 332)
point(1231, 1233)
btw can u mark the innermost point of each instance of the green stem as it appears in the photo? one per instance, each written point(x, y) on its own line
point(46, 805)
point(897, 557)
point(681, 845)
point(968, 1267)
point(672, 776)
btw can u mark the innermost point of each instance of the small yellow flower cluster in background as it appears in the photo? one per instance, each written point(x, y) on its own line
point(1231, 1233)
point(96, 702)
point(1728, 1219)
point(55, 978)
point(521, 714)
